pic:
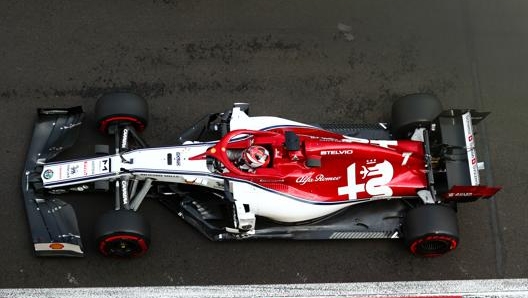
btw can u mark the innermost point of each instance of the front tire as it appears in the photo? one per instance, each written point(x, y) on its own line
point(414, 111)
point(123, 234)
point(121, 108)
point(431, 230)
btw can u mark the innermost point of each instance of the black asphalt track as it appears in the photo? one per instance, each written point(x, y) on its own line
point(312, 61)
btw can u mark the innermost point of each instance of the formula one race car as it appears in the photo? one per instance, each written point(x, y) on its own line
point(232, 176)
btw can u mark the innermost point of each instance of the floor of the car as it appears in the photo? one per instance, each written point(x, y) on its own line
point(376, 219)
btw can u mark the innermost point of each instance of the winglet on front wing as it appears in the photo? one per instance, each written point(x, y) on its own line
point(52, 222)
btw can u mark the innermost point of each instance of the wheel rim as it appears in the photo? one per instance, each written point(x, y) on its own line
point(124, 246)
point(103, 125)
point(432, 246)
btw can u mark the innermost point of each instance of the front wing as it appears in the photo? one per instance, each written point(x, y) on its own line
point(52, 222)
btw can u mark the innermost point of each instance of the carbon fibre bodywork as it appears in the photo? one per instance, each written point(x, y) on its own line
point(324, 181)
point(52, 222)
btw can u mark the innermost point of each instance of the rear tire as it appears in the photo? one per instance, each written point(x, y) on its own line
point(121, 108)
point(123, 234)
point(413, 111)
point(431, 230)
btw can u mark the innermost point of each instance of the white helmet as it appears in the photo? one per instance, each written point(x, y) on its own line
point(255, 156)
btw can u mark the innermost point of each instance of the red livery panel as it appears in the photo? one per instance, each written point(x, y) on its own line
point(330, 168)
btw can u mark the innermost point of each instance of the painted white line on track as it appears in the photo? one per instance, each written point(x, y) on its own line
point(457, 288)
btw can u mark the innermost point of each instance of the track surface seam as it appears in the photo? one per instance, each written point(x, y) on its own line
point(477, 93)
point(414, 289)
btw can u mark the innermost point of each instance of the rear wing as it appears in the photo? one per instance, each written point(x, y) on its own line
point(461, 162)
point(52, 222)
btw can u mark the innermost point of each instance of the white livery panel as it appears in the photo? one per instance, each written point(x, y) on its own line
point(471, 150)
point(177, 158)
point(280, 207)
point(165, 164)
point(72, 172)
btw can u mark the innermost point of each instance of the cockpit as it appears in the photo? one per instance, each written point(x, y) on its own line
point(263, 153)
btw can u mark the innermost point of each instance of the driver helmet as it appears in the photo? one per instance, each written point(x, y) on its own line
point(255, 156)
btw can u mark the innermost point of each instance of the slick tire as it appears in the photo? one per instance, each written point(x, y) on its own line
point(413, 111)
point(122, 234)
point(121, 108)
point(431, 230)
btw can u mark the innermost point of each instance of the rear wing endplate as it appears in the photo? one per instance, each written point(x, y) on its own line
point(460, 157)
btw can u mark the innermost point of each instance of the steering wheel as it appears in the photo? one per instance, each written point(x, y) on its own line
point(219, 151)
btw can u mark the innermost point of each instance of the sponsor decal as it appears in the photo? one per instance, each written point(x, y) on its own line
point(85, 168)
point(471, 152)
point(377, 177)
point(71, 170)
point(310, 178)
point(269, 181)
point(56, 246)
point(178, 159)
point(337, 152)
point(460, 194)
point(48, 174)
point(124, 191)
point(104, 165)
point(124, 141)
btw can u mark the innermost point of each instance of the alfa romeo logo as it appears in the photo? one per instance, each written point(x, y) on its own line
point(48, 174)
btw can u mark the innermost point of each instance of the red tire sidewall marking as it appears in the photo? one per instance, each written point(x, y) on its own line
point(453, 243)
point(140, 241)
point(137, 123)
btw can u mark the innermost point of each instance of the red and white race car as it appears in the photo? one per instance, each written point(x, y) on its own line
point(233, 176)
